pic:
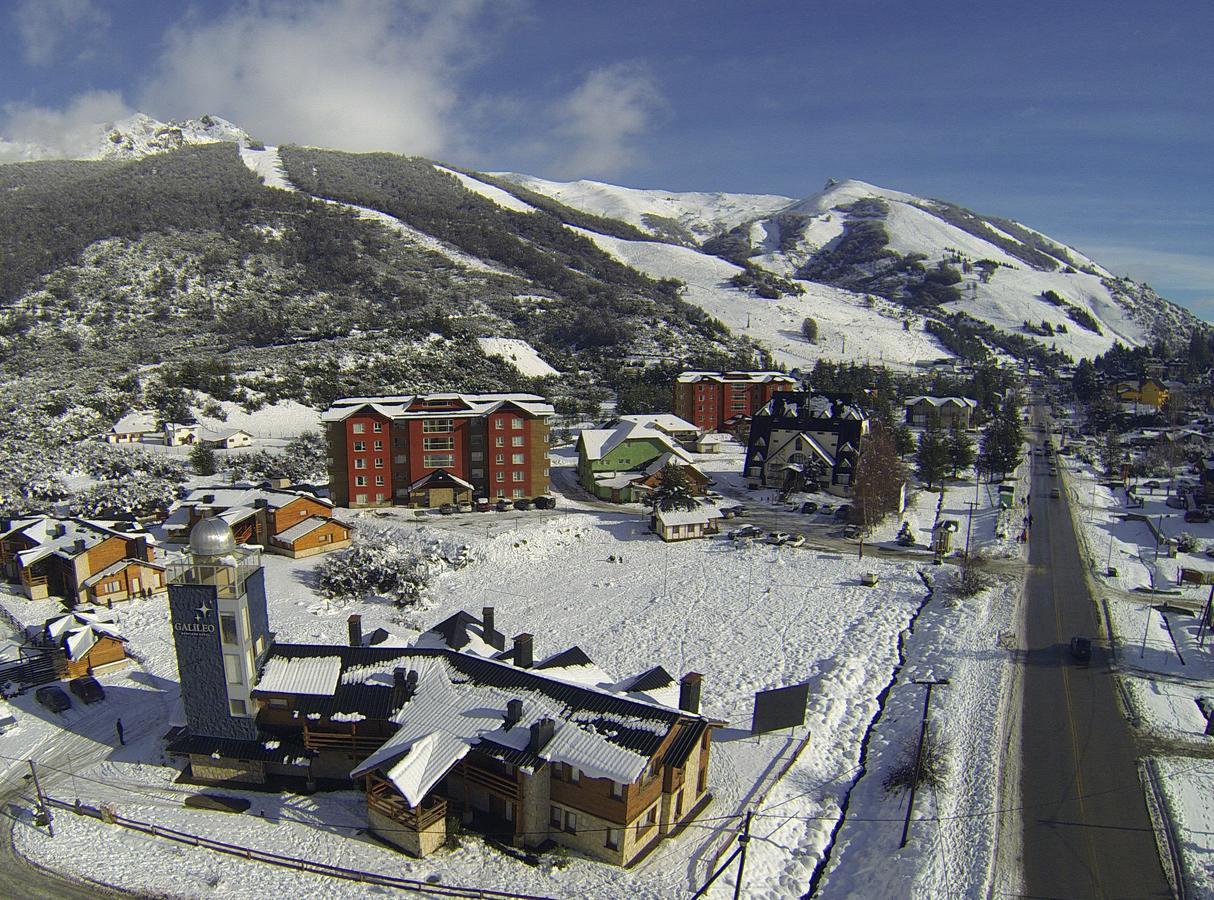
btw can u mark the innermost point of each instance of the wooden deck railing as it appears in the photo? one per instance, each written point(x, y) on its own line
point(382, 797)
point(357, 744)
point(504, 787)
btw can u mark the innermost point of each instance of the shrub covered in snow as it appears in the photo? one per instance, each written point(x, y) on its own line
point(126, 497)
point(398, 566)
point(303, 459)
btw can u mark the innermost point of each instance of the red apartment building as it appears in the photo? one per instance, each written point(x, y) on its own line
point(710, 399)
point(431, 449)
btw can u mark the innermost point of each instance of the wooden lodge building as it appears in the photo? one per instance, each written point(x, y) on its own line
point(288, 523)
point(453, 732)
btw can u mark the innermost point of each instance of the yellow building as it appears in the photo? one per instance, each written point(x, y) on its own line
point(1147, 392)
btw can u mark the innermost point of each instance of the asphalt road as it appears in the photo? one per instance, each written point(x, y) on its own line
point(1085, 828)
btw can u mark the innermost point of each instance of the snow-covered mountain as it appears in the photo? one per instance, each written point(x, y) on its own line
point(140, 135)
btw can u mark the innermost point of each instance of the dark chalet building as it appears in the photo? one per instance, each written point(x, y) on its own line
point(431, 449)
point(803, 437)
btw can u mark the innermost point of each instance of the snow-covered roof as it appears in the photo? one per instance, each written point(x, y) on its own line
point(80, 629)
point(225, 498)
point(667, 422)
point(207, 434)
point(306, 527)
point(440, 477)
point(942, 401)
point(701, 515)
point(58, 537)
point(463, 405)
point(134, 423)
point(736, 377)
point(310, 675)
point(115, 568)
point(598, 442)
point(673, 459)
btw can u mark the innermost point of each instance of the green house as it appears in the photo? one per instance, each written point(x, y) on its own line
point(611, 460)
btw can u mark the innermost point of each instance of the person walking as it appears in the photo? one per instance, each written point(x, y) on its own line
point(118, 728)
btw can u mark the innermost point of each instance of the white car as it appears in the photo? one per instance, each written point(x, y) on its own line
point(778, 537)
point(796, 540)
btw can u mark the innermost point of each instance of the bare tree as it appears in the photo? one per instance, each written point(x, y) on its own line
point(880, 476)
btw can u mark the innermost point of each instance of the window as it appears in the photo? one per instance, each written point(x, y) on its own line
point(323, 538)
point(477, 456)
point(279, 703)
point(571, 821)
point(613, 839)
point(360, 446)
point(516, 441)
point(360, 499)
point(678, 806)
point(499, 458)
point(499, 441)
point(702, 781)
point(358, 428)
point(575, 774)
point(397, 442)
point(436, 426)
point(227, 628)
point(378, 426)
point(380, 498)
point(651, 817)
point(516, 475)
point(478, 473)
point(516, 493)
point(501, 492)
point(442, 443)
point(379, 462)
point(237, 707)
point(516, 459)
point(438, 460)
point(379, 480)
point(302, 513)
point(378, 445)
point(399, 459)
point(497, 422)
point(360, 463)
point(617, 790)
point(499, 476)
point(516, 423)
point(360, 480)
point(231, 668)
point(545, 471)
point(555, 817)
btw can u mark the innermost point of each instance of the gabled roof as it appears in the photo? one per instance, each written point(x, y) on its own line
point(134, 423)
point(115, 568)
point(942, 401)
point(598, 442)
point(51, 536)
point(80, 629)
point(440, 478)
point(764, 377)
point(234, 497)
point(665, 422)
point(701, 515)
point(414, 406)
point(306, 527)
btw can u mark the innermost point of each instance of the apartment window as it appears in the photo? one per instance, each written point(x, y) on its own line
point(477, 456)
point(499, 476)
point(379, 462)
point(378, 426)
point(358, 428)
point(436, 426)
point(497, 422)
point(360, 463)
point(516, 440)
point(379, 480)
point(438, 460)
point(227, 627)
point(545, 471)
point(651, 817)
point(516, 493)
point(575, 774)
point(499, 458)
point(516, 476)
point(443, 443)
point(613, 838)
point(360, 480)
point(397, 442)
point(478, 473)
point(399, 459)
point(555, 817)
point(360, 446)
point(516, 423)
point(380, 498)
point(702, 781)
point(499, 441)
point(571, 821)
point(378, 445)
point(360, 499)
point(678, 806)
point(516, 458)
point(617, 790)
point(231, 668)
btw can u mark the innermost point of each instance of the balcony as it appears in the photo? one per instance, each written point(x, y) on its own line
point(342, 742)
point(383, 798)
point(495, 784)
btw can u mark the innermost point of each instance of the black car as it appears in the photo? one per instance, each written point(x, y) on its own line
point(545, 502)
point(522, 504)
point(502, 505)
point(1197, 515)
point(88, 689)
point(809, 507)
point(1081, 650)
point(843, 511)
point(53, 698)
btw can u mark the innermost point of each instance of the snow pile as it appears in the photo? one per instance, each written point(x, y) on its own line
point(518, 353)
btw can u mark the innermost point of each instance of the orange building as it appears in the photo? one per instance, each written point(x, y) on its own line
point(710, 399)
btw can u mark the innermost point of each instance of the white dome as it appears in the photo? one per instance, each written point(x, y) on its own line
point(212, 537)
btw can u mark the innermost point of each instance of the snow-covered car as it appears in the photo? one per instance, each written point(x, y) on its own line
point(87, 688)
point(796, 540)
point(483, 505)
point(522, 504)
point(502, 505)
point(745, 533)
point(808, 507)
point(778, 537)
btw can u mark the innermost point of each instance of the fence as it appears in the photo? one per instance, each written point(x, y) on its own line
point(287, 862)
point(33, 670)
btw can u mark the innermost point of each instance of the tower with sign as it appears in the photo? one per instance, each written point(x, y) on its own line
point(217, 607)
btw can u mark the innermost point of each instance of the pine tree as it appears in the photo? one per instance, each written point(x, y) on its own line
point(960, 447)
point(202, 459)
point(904, 441)
point(673, 491)
point(1002, 440)
point(931, 459)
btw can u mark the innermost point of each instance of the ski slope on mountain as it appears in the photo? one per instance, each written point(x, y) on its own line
point(702, 214)
point(848, 328)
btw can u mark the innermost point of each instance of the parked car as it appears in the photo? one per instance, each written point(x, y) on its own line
point(502, 505)
point(53, 698)
point(483, 505)
point(851, 531)
point(547, 502)
point(825, 508)
point(745, 533)
point(465, 506)
point(739, 510)
point(522, 504)
point(1081, 650)
point(447, 509)
point(843, 511)
point(796, 540)
point(808, 507)
point(1176, 502)
point(778, 537)
point(87, 688)
point(1197, 515)
point(1151, 485)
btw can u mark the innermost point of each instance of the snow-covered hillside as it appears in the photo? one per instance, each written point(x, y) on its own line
point(140, 135)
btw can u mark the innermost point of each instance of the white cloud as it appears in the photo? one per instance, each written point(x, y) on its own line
point(350, 74)
point(49, 28)
point(603, 117)
point(36, 132)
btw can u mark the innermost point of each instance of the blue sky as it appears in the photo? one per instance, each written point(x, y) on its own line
point(1091, 121)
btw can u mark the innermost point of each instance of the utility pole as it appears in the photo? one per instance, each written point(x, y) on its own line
point(968, 529)
point(743, 841)
point(45, 812)
point(1205, 618)
point(910, 807)
point(1146, 626)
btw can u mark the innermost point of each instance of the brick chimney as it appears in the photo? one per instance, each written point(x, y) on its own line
point(689, 692)
point(398, 678)
point(489, 632)
point(523, 651)
point(541, 733)
point(78, 546)
point(354, 625)
point(514, 712)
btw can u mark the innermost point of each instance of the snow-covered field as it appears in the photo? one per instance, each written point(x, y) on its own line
point(748, 617)
point(519, 354)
